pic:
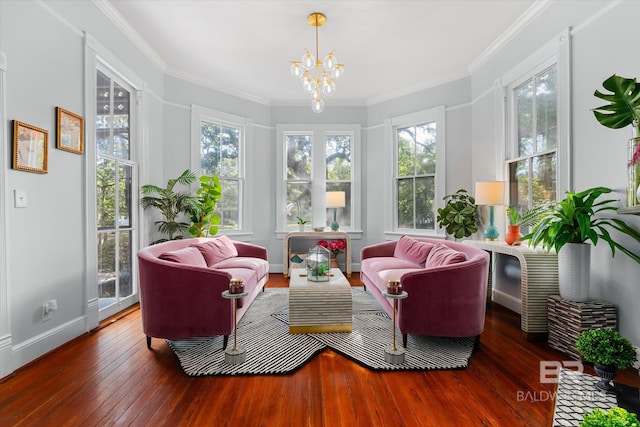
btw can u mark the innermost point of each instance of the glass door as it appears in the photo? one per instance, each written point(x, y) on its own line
point(115, 195)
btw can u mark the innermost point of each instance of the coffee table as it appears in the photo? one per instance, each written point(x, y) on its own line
point(319, 307)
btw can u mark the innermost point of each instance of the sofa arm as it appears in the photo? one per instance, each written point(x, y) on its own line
point(378, 250)
point(250, 250)
point(180, 301)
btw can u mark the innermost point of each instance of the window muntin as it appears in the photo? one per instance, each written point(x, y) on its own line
point(533, 171)
point(220, 154)
point(415, 176)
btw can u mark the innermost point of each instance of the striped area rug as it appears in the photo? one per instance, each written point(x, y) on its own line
point(264, 333)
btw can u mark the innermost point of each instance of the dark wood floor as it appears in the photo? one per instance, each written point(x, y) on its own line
point(109, 377)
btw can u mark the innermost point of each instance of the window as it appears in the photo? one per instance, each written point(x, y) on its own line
point(312, 162)
point(417, 141)
point(536, 109)
point(219, 147)
point(532, 172)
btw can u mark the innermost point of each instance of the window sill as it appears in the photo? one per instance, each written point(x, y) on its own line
point(394, 235)
point(633, 210)
point(353, 234)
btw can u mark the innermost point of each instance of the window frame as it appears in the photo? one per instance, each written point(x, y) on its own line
point(437, 115)
point(318, 134)
point(556, 52)
point(244, 125)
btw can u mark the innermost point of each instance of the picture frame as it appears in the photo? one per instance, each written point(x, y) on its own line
point(70, 131)
point(30, 144)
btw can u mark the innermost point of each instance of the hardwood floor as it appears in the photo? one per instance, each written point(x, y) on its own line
point(109, 377)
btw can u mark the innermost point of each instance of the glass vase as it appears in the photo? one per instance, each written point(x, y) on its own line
point(633, 174)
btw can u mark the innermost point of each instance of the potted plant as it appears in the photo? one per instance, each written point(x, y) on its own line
point(608, 351)
point(459, 217)
point(204, 220)
point(527, 218)
point(567, 225)
point(622, 110)
point(171, 204)
point(615, 417)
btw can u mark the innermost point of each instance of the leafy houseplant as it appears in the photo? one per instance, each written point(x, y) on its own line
point(615, 417)
point(204, 220)
point(171, 204)
point(459, 217)
point(622, 110)
point(516, 220)
point(607, 350)
point(566, 225)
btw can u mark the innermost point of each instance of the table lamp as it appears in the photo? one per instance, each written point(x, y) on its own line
point(490, 193)
point(335, 200)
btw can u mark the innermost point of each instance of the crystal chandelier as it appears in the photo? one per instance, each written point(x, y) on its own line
point(318, 77)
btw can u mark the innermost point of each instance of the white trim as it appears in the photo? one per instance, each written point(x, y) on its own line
point(556, 51)
point(34, 347)
point(130, 33)
point(596, 16)
point(6, 356)
point(60, 18)
point(437, 114)
point(535, 10)
point(199, 114)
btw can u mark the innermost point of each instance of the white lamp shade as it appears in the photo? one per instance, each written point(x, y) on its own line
point(490, 193)
point(335, 199)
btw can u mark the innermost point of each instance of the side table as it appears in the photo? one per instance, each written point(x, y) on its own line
point(393, 354)
point(567, 319)
point(236, 355)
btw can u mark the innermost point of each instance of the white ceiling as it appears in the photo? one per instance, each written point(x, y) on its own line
point(389, 48)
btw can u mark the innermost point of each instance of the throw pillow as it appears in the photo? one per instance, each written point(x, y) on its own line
point(443, 255)
point(188, 255)
point(217, 249)
point(412, 250)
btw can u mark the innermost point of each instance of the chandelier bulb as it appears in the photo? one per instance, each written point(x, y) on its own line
point(338, 71)
point(329, 63)
point(329, 87)
point(308, 60)
point(317, 105)
point(296, 69)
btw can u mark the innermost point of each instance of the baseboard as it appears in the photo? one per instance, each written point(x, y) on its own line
point(33, 348)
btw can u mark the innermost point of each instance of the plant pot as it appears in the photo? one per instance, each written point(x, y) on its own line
point(300, 227)
point(513, 234)
point(574, 269)
point(606, 374)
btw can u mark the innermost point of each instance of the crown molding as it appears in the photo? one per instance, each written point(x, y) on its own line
point(130, 33)
point(514, 29)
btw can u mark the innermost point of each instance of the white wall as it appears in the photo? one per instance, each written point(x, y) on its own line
point(46, 70)
point(602, 43)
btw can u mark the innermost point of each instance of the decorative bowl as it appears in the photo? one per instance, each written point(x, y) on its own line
point(318, 229)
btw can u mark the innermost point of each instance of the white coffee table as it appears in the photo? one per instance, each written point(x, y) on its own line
point(319, 307)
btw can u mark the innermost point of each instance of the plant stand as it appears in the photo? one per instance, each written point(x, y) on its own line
point(567, 319)
point(236, 355)
point(392, 354)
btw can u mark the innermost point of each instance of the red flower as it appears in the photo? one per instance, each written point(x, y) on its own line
point(323, 243)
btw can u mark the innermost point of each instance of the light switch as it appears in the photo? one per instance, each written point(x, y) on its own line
point(20, 197)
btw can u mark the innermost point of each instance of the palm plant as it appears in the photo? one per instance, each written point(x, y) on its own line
point(171, 204)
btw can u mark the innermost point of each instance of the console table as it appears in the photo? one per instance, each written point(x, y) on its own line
point(522, 280)
point(314, 237)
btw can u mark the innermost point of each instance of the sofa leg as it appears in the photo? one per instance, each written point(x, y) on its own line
point(476, 342)
point(404, 340)
point(148, 342)
point(225, 340)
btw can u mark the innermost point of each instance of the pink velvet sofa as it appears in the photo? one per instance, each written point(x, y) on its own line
point(181, 285)
point(446, 282)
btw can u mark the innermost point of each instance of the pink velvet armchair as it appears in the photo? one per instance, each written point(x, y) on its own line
point(447, 291)
point(181, 285)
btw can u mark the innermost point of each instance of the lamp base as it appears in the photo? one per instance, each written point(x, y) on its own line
point(335, 226)
point(491, 233)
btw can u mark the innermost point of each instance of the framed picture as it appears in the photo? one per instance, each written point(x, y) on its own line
point(70, 131)
point(29, 148)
